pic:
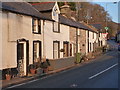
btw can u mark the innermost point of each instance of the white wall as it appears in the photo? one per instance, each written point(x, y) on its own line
point(9, 49)
point(91, 40)
point(103, 39)
point(0, 39)
point(86, 41)
point(16, 27)
point(50, 36)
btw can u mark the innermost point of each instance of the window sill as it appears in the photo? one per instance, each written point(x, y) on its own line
point(36, 33)
point(56, 31)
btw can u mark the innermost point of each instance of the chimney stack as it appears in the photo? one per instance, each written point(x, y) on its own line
point(65, 10)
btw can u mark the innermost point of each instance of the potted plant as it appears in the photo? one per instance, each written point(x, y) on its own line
point(84, 57)
point(8, 74)
point(61, 50)
point(32, 69)
point(49, 67)
point(44, 66)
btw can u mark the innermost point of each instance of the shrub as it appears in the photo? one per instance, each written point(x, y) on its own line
point(44, 65)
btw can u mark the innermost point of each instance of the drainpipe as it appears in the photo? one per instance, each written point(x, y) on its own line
point(77, 61)
point(76, 41)
point(44, 55)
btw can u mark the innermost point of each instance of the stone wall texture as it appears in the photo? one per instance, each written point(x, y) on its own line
point(62, 63)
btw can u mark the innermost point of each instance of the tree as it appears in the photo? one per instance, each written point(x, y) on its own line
point(91, 13)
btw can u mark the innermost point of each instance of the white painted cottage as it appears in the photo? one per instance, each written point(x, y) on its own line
point(55, 34)
point(32, 32)
point(101, 39)
point(91, 38)
point(22, 36)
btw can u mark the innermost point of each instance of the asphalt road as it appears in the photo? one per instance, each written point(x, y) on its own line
point(98, 73)
point(113, 44)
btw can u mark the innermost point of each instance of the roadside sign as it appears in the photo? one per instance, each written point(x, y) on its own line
point(106, 28)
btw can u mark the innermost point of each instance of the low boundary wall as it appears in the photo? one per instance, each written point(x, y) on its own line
point(61, 63)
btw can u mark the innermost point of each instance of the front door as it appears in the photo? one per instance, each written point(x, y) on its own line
point(65, 46)
point(21, 58)
point(56, 54)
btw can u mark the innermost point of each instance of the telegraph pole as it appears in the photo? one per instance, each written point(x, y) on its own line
point(77, 12)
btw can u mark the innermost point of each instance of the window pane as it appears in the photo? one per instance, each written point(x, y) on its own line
point(56, 46)
point(35, 25)
point(38, 50)
point(35, 30)
point(56, 26)
point(35, 50)
point(39, 26)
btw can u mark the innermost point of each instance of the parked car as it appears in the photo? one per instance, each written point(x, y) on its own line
point(112, 38)
point(119, 47)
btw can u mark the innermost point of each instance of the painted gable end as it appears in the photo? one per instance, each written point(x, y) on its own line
point(55, 12)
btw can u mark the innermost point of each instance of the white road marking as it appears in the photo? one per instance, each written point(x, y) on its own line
point(103, 71)
point(30, 81)
point(62, 72)
point(22, 83)
point(73, 85)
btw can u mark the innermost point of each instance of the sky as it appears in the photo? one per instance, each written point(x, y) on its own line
point(112, 9)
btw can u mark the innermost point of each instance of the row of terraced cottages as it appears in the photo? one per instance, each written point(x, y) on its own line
point(31, 33)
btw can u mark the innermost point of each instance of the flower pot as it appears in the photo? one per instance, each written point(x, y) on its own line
point(45, 70)
point(8, 77)
point(50, 68)
point(32, 71)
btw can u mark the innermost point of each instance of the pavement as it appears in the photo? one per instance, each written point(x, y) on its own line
point(101, 72)
point(19, 80)
point(113, 44)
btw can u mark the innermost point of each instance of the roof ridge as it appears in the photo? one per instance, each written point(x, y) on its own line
point(33, 7)
point(91, 27)
point(96, 23)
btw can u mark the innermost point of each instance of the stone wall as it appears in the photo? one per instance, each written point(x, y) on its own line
point(62, 63)
point(82, 41)
point(73, 39)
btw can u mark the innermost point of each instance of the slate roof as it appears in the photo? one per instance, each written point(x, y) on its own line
point(91, 27)
point(80, 25)
point(22, 8)
point(66, 21)
point(48, 16)
point(44, 6)
point(28, 9)
point(98, 26)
